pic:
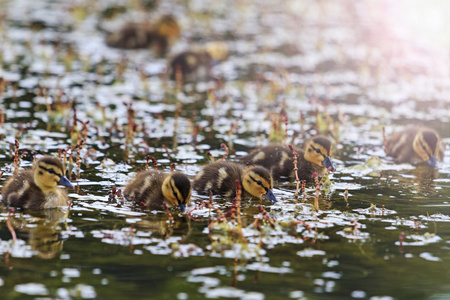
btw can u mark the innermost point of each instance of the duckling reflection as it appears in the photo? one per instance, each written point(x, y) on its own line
point(160, 227)
point(422, 179)
point(416, 145)
point(279, 160)
point(43, 235)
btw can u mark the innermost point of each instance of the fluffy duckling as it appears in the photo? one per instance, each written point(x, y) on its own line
point(196, 63)
point(220, 179)
point(279, 160)
point(153, 188)
point(416, 145)
point(37, 188)
point(159, 36)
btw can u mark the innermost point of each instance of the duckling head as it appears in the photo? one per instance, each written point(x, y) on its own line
point(48, 173)
point(176, 189)
point(257, 181)
point(168, 27)
point(217, 50)
point(425, 144)
point(318, 151)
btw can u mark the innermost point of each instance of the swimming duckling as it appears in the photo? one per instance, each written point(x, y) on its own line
point(416, 145)
point(159, 36)
point(153, 188)
point(37, 188)
point(196, 63)
point(279, 160)
point(220, 179)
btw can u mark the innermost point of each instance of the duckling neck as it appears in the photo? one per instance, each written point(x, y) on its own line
point(54, 198)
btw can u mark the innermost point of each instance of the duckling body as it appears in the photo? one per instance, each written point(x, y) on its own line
point(160, 36)
point(279, 160)
point(153, 188)
point(37, 188)
point(220, 178)
point(196, 63)
point(416, 145)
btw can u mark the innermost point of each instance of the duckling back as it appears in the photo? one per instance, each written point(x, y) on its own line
point(279, 160)
point(21, 191)
point(154, 188)
point(192, 65)
point(415, 145)
point(196, 63)
point(219, 178)
point(146, 188)
point(160, 35)
point(131, 36)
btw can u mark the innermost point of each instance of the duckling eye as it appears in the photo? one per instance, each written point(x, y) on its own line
point(51, 171)
point(259, 182)
point(317, 150)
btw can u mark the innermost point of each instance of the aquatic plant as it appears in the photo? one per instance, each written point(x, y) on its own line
point(17, 157)
point(297, 180)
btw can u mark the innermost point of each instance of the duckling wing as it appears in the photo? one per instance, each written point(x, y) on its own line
point(400, 145)
point(146, 188)
point(219, 178)
point(277, 159)
point(132, 36)
point(21, 191)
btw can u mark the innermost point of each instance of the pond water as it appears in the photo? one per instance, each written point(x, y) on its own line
point(343, 68)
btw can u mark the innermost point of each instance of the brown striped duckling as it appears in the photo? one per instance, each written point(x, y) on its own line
point(416, 145)
point(196, 63)
point(159, 36)
point(153, 188)
point(37, 188)
point(279, 160)
point(220, 179)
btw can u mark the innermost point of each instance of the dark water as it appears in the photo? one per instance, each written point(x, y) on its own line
point(340, 68)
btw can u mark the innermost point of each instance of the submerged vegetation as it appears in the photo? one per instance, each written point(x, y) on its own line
point(352, 71)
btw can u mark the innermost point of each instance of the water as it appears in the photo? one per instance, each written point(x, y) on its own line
point(339, 68)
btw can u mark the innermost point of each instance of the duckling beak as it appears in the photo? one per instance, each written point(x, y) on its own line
point(269, 195)
point(181, 207)
point(328, 164)
point(64, 181)
point(432, 161)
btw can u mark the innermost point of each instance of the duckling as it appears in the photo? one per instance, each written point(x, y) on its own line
point(160, 36)
point(220, 179)
point(280, 160)
point(37, 188)
point(416, 145)
point(196, 63)
point(153, 188)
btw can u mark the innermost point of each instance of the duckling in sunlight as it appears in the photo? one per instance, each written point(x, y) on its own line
point(159, 36)
point(196, 63)
point(279, 160)
point(416, 145)
point(153, 188)
point(220, 179)
point(37, 188)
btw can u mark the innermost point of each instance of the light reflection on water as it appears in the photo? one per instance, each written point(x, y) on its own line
point(373, 75)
